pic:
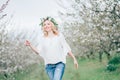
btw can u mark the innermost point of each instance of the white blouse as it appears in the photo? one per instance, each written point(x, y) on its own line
point(53, 49)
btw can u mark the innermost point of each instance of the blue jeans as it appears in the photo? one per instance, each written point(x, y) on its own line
point(55, 71)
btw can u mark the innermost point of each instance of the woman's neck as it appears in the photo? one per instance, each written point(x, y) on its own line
point(51, 34)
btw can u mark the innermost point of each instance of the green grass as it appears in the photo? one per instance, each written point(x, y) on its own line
point(88, 70)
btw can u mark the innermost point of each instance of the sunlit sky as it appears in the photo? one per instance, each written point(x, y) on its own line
point(27, 13)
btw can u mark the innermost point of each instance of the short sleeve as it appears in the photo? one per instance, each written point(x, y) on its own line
point(65, 45)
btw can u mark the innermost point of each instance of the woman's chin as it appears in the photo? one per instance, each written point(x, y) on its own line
point(48, 30)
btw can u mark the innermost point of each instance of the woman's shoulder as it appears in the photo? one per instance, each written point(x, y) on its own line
point(61, 34)
point(40, 38)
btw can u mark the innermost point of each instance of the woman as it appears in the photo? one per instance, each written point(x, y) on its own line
point(53, 48)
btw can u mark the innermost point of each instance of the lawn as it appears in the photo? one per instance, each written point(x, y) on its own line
point(88, 70)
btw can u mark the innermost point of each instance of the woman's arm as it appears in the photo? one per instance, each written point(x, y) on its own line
point(74, 59)
point(27, 43)
point(67, 49)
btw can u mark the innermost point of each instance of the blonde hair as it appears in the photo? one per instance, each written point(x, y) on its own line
point(54, 29)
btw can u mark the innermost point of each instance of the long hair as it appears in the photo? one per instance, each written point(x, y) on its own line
point(54, 27)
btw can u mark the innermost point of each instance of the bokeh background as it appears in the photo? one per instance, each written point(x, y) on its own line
point(91, 27)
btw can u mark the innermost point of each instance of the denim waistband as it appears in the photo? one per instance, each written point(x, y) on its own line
point(55, 63)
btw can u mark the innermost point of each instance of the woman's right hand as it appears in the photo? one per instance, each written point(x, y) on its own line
point(27, 43)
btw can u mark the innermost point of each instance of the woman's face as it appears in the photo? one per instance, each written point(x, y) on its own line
point(47, 25)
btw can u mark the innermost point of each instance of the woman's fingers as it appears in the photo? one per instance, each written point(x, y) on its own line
point(27, 43)
point(76, 64)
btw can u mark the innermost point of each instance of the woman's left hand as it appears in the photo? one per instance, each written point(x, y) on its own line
point(76, 64)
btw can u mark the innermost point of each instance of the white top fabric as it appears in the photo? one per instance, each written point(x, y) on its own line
point(53, 49)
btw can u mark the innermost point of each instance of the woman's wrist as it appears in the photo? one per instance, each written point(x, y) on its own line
point(75, 60)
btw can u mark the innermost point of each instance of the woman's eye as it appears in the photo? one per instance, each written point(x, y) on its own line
point(44, 24)
point(48, 24)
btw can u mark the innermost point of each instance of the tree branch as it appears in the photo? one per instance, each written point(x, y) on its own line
point(4, 6)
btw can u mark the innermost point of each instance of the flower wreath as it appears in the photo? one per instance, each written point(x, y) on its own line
point(50, 19)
